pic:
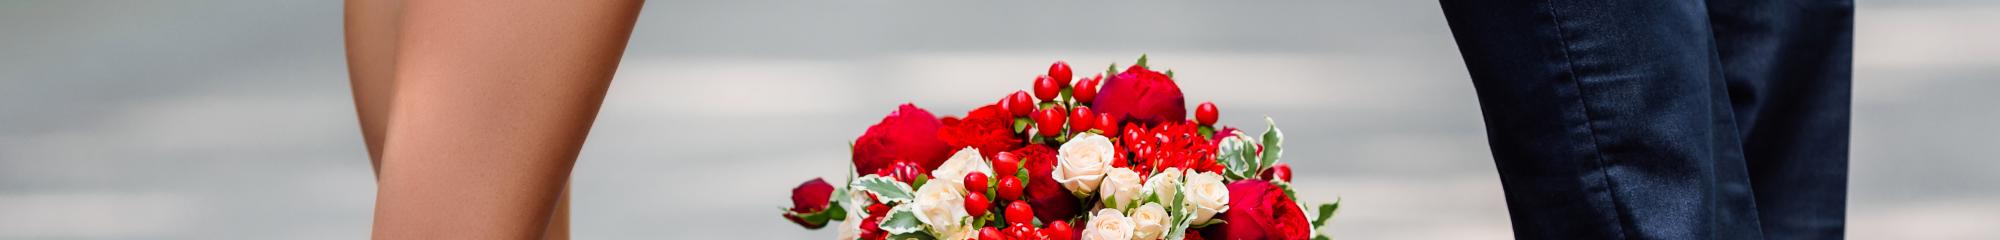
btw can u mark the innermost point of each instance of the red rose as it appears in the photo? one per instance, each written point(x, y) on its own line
point(908, 134)
point(989, 129)
point(1260, 210)
point(808, 201)
point(1052, 202)
point(1141, 95)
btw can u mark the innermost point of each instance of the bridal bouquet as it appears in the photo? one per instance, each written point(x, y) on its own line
point(1110, 156)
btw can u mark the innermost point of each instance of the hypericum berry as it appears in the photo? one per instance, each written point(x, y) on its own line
point(1018, 213)
point(1019, 103)
point(1006, 164)
point(1058, 230)
point(1081, 119)
point(902, 171)
point(1281, 171)
point(975, 183)
point(1205, 114)
point(976, 204)
point(1026, 231)
point(1046, 87)
point(1049, 122)
point(990, 233)
point(1061, 72)
point(1107, 123)
point(1010, 188)
point(1086, 90)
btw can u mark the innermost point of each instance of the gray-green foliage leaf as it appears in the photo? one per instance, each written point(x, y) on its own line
point(901, 220)
point(888, 190)
point(1274, 142)
point(1238, 154)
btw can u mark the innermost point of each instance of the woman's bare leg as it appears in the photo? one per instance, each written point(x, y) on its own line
point(493, 100)
point(371, 27)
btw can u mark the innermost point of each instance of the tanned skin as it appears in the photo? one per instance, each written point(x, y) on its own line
point(474, 110)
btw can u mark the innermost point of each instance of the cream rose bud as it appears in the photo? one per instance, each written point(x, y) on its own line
point(1081, 162)
point(965, 161)
point(1149, 222)
point(1165, 184)
point(941, 205)
point(1108, 224)
point(1207, 195)
point(1119, 187)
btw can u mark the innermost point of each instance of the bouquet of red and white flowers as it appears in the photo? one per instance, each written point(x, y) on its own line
point(1070, 161)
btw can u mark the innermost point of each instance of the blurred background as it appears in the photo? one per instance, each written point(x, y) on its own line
point(233, 120)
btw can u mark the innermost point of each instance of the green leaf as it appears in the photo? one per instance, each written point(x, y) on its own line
point(901, 220)
point(1274, 142)
point(1142, 62)
point(912, 236)
point(1021, 124)
point(886, 189)
point(1326, 212)
point(1238, 155)
point(1322, 237)
point(832, 212)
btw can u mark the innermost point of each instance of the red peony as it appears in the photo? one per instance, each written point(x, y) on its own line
point(1052, 202)
point(908, 134)
point(989, 129)
point(1141, 95)
point(810, 197)
point(1260, 210)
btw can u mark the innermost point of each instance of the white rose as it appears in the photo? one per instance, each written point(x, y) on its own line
point(965, 161)
point(1108, 224)
point(1081, 162)
point(1119, 186)
point(1149, 222)
point(941, 205)
point(1165, 184)
point(1206, 195)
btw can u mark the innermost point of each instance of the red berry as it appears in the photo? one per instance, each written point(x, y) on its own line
point(1058, 230)
point(1010, 188)
point(1019, 213)
point(975, 182)
point(1019, 103)
point(1205, 114)
point(1280, 171)
point(1022, 231)
point(1006, 163)
point(1046, 87)
point(990, 233)
point(904, 171)
point(976, 204)
point(1049, 121)
point(1060, 71)
point(1107, 123)
point(1086, 90)
point(1081, 119)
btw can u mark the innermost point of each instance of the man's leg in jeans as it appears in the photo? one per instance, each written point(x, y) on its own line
point(1608, 119)
point(1788, 67)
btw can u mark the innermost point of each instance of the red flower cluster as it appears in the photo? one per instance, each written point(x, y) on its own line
point(1169, 145)
point(989, 129)
point(1141, 113)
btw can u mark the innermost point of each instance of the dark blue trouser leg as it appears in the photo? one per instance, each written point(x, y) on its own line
point(1788, 67)
point(1614, 119)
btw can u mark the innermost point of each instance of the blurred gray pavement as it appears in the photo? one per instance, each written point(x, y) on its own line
point(232, 119)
